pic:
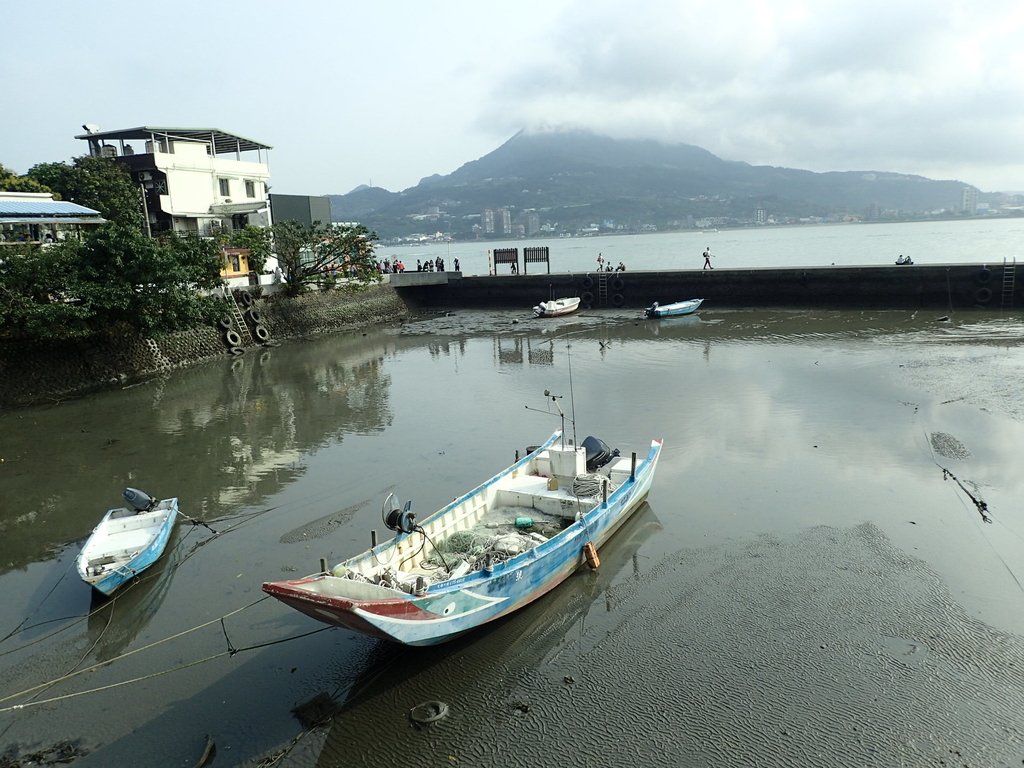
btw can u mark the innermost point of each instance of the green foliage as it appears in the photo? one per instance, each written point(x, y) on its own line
point(99, 183)
point(11, 182)
point(257, 240)
point(37, 293)
point(117, 280)
point(318, 254)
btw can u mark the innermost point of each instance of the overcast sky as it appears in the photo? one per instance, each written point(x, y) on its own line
point(388, 92)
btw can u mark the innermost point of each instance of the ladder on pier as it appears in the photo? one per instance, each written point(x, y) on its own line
point(236, 313)
point(1009, 278)
point(602, 287)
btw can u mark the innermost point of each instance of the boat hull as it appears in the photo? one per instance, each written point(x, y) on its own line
point(124, 544)
point(452, 608)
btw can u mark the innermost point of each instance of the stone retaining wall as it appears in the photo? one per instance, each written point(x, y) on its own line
point(33, 374)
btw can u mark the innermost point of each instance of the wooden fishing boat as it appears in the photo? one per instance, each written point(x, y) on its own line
point(486, 554)
point(675, 309)
point(557, 307)
point(127, 541)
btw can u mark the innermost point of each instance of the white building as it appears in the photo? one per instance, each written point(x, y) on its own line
point(195, 180)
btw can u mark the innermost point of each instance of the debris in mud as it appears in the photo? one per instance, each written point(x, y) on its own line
point(948, 446)
point(61, 753)
point(428, 712)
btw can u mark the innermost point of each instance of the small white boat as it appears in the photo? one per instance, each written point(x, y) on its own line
point(557, 307)
point(127, 541)
point(675, 309)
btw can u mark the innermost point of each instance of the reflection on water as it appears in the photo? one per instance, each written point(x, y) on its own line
point(775, 424)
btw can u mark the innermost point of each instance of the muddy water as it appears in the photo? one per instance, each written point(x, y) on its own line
point(813, 581)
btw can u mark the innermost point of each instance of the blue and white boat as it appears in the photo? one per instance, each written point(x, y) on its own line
point(675, 309)
point(486, 554)
point(127, 541)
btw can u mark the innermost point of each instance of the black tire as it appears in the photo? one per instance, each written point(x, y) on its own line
point(617, 300)
point(587, 298)
point(588, 283)
point(236, 351)
point(246, 298)
point(983, 295)
point(984, 275)
point(261, 333)
point(255, 316)
point(224, 323)
point(232, 338)
point(618, 284)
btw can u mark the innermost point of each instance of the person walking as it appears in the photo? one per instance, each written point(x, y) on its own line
point(707, 258)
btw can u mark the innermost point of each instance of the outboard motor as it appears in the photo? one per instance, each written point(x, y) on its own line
point(137, 500)
point(598, 453)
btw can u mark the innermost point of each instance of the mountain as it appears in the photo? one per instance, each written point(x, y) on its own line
point(576, 181)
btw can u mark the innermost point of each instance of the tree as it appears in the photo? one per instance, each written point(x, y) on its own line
point(258, 242)
point(37, 290)
point(99, 183)
point(313, 254)
point(11, 182)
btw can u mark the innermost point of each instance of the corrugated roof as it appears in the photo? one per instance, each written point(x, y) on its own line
point(222, 140)
point(43, 208)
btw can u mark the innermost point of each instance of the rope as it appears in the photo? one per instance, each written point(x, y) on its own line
point(108, 662)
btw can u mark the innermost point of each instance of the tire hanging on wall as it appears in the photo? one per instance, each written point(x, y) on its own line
point(224, 323)
point(984, 275)
point(232, 338)
point(245, 297)
point(261, 333)
point(618, 284)
point(983, 295)
point(587, 298)
point(255, 316)
point(617, 300)
point(588, 283)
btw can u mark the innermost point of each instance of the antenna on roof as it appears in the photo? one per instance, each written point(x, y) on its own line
point(91, 128)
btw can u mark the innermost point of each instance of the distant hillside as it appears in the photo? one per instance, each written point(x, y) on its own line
point(579, 181)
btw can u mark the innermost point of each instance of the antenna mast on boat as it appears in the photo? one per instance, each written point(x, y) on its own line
point(572, 397)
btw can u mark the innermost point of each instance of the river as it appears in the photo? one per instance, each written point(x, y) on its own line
point(812, 582)
point(980, 240)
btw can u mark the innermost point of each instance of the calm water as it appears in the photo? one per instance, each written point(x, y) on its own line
point(940, 242)
point(805, 587)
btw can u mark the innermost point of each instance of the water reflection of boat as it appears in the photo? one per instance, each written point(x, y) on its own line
point(477, 673)
point(488, 553)
point(114, 622)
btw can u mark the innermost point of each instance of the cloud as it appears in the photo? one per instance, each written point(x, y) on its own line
point(908, 87)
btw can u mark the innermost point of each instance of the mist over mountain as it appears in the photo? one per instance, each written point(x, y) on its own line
point(573, 182)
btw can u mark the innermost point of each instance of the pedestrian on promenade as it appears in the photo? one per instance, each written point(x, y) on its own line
point(707, 258)
point(456, 264)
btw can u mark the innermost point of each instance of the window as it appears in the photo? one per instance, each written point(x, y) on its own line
point(250, 188)
point(225, 189)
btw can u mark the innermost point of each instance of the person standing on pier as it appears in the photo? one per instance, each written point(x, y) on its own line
point(707, 258)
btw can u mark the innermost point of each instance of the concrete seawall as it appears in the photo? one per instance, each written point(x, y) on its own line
point(940, 287)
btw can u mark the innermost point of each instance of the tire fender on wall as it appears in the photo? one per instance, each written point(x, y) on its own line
point(983, 295)
point(261, 333)
point(255, 316)
point(232, 338)
point(588, 283)
point(245, 297)
point(224, 323)
point(586, 298)
point(984, 275)
point(617, 300)
point(618, 284)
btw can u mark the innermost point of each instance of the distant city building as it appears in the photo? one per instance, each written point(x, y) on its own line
point(761, 217)
point(969, 201)
point(202, 181)
point(532, 223)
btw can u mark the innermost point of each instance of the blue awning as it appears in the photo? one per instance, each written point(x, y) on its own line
point(44, 208)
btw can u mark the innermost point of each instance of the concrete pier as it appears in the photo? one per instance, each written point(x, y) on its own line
point(939, 287)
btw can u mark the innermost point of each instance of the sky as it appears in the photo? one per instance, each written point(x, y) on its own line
point(389, 92)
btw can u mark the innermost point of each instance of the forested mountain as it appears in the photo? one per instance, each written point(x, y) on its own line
point(568, 182)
